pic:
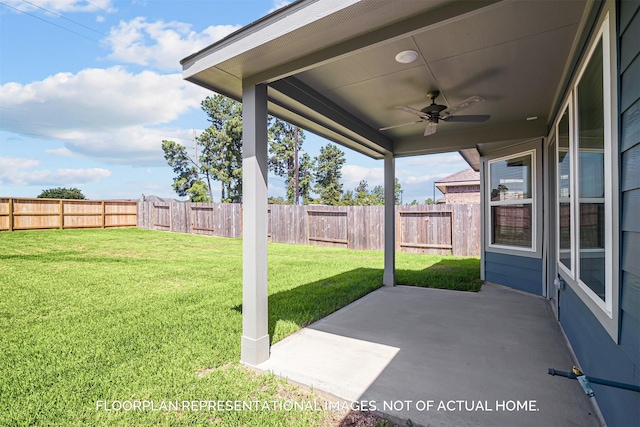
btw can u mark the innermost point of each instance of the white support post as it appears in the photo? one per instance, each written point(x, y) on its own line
point(255, 335)
point(389, 278)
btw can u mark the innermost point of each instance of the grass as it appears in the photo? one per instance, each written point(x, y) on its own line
point(130, 314)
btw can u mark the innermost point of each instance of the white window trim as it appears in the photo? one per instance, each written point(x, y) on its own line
point(572, 192)
point(606, 312)
point(606, 305)
point(531, 200)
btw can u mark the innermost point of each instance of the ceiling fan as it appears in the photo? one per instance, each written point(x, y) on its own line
point(433, 113)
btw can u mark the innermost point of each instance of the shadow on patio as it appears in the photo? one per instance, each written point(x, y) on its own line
point(409, 350)
point(301, 306)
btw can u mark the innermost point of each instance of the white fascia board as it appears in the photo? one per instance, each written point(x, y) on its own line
point(262, 32)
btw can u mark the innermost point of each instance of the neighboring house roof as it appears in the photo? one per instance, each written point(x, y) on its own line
point(463, 177)
point(330, 68)
point(157, 199)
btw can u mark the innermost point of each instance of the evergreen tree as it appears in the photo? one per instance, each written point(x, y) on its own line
point(305, 178)
point(285, 144)
point(328, 173)
point(187, 172)
point(377, 195)
point(362, 194)
point(222, 145)
point(398, 192)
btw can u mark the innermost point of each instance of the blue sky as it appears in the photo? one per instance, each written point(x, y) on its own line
point(89, 89)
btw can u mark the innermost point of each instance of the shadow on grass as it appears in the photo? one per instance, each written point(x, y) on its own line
point(310, 302)
point(454, 274)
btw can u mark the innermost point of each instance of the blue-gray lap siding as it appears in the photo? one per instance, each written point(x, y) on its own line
point(523, 273)
point(598, 354)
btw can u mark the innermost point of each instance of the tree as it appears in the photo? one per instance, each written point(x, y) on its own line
point(364, 197)
point(305, 178)
point(61, 193)
point(328, 172)
point(362, 194)
point(222, 145)
point(221, 156)
point(398, 192)
point(377, 195)
point(429, 201)
point(347, 199)
point(285, 143)
point(198, 192)
point(276, 201)
point(187, 181)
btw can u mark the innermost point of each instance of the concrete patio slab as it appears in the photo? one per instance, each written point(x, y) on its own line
point(441, 358)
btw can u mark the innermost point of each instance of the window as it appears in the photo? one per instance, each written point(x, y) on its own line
point(590, 145)
point(584, 185)
point(511, 191)
point(565, 207)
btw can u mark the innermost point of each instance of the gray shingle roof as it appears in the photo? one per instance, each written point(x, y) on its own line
point(463, 176)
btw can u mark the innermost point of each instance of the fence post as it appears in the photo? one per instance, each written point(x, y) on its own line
point(398, 228)
point(171, 216)
point(10, 214)
point(103, 214)
point(61, 215)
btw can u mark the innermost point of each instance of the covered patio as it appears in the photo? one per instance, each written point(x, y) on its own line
point(341, 69)
point(364, 74)
point(439, 357)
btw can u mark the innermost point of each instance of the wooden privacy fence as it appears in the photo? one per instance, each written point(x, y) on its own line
point(38, 214)
point(439, 229)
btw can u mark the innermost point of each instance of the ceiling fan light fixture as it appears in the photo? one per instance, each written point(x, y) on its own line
point(407, 56)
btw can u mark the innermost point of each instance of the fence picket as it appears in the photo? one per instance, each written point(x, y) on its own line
point(450, 229)
point(40, 214)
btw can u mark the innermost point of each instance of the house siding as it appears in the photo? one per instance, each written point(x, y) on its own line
point(518, 272)
point(598, 354)
point(629, 31)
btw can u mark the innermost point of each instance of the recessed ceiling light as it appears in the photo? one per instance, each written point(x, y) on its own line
point(532, 118)
point(407, 56)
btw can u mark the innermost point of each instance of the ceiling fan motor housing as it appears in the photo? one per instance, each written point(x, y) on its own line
point(433, 109)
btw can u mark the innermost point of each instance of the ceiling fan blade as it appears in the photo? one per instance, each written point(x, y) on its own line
point(403, 124)
point(412, 111)
point(430, 129)
point(464, 104)
point(472, 118)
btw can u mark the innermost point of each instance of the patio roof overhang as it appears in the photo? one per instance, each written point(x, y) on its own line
point(331, 69)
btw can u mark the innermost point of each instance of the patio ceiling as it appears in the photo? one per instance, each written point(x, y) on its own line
point(331, 68)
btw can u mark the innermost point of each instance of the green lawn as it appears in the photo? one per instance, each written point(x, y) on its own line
point(88, 316)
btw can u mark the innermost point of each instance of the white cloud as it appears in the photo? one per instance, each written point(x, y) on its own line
point(278, 4)
point(63, 5)
point(63, 151)
point(137, 145)
point(19, 171)
point(160, 44)
point(11, 165)
point(448, 161)
point(421, 179)
point(352, 175)
point(99, 99)
point(103, 113)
